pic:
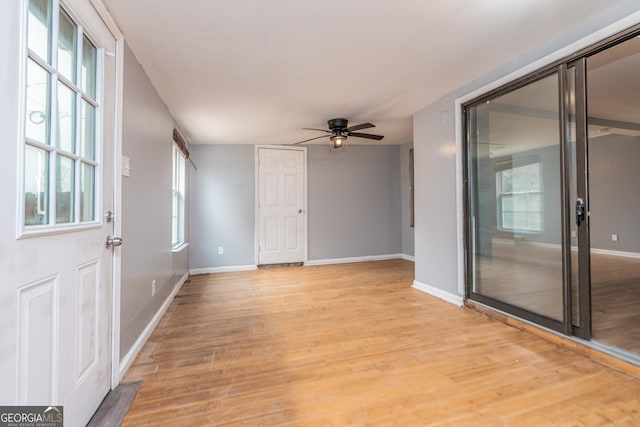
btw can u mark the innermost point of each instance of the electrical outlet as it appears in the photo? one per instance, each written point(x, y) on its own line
point(614, 237)
point(153, 287)
point(220, 250)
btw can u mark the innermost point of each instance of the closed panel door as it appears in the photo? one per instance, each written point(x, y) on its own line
point(57, 273)
point(281, 206)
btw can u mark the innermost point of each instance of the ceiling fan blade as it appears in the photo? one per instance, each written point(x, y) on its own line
point(360, 127)
point(310, 139)
point(365, 135)
point(321, 130)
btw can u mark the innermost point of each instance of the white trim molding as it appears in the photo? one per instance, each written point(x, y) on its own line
point(129, 358)
point(407, 257)
point(225, 269)
point(353, 259)
point(615, 253)
point(454, 299)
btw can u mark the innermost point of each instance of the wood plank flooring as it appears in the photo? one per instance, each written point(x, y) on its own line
point(530, 277)
point(615, 300)
point(354, 344)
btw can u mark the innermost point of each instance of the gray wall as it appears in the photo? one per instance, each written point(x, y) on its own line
point(436, 240)
point(614, 180)
point(354, 201)
point(146, 205)
point(360, 186)
point(406, 230)
point(222, 206)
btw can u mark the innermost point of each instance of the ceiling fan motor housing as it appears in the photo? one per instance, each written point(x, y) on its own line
point(337, 124)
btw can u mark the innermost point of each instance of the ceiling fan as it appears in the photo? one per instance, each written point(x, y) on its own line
point(338, 132)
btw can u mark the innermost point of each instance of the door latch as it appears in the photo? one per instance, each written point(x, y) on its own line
point(580, 211)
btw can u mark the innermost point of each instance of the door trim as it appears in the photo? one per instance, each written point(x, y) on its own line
point(256, 221)
point(104, 14)
point(116, 375)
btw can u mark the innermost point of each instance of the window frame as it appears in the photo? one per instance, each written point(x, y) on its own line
point(412, 213)
point(178, 199)
point(50, 146)
point(510, 165)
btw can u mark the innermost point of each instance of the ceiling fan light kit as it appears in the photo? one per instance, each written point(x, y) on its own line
point(338, 140)
point(338, 132)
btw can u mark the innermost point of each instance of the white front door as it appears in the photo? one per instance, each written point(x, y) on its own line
point(56, 271)
point(281, 205)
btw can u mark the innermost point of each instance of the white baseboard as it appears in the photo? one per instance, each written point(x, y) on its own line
point(408, 257)
point(575, 248)
point(352, 259)
point(615, 253)
point(454, 299)
point(129, 358)
point(227, 269)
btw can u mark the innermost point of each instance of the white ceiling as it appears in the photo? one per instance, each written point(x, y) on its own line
point(256, 71)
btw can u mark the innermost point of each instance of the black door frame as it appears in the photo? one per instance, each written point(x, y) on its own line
point(577, 64)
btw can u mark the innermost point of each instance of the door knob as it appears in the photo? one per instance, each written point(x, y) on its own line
point(113, 241)
point(300, 210)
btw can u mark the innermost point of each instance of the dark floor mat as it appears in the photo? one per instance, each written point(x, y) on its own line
point(115, 405)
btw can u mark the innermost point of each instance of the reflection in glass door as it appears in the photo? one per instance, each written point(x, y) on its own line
point(613, 105)
point(514, 202)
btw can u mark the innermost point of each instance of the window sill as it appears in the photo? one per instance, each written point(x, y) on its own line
point(179, 247)
point(48, 230)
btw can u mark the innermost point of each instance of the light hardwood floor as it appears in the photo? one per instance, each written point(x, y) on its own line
point(354, 344)
point(530, 277)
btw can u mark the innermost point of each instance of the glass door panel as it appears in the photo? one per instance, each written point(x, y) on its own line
point(613, 94)
point(514, 202)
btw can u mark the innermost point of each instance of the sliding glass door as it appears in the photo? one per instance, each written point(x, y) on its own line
point(514, 204)
point(552, 196)
point(613, 146)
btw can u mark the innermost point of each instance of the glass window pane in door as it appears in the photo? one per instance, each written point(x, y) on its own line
point(36, 186)
point(67, 47)
point(87, 135)
point(515, 198)
point(64, 190)
point(87, 192)
point(37, 120)
point(89, 57)
point(613, 91)
point(66, 118)
point(39, 25)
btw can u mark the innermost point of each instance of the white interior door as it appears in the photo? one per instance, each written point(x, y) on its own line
point(281, 205)
point(56, 269)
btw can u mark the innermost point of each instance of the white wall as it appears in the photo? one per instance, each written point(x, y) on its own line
point(436, 239)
